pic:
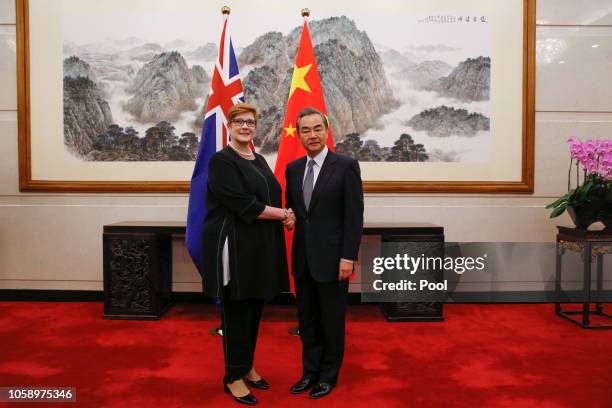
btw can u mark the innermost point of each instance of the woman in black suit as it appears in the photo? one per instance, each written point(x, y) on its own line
point(244, 258)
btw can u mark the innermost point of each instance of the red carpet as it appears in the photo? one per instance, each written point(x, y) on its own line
point(482, 356)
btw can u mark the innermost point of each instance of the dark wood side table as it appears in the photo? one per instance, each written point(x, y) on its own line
point(137, 259)
point(428, 238)
point(592, 245)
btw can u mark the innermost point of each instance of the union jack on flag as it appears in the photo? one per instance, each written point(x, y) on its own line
point(226, 91)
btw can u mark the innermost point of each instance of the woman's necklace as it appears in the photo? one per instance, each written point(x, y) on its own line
point(248, 155)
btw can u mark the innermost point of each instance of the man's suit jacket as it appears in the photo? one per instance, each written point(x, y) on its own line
point(331, 228)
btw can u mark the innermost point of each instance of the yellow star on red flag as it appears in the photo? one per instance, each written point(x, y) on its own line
point(290, 130)
point(298, 79)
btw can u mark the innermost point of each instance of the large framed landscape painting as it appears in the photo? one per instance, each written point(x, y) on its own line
point(429, 96)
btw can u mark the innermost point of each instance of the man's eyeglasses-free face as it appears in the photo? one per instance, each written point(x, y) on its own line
point(305, 131)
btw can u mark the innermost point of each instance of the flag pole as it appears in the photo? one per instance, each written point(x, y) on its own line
point(217, 330)
point(294, 330)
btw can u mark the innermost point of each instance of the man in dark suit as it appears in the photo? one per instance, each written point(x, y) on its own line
point(325, 192)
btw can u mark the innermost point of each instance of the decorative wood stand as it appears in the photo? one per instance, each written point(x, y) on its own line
point(592, 245)
point(429, 238)
point(137, 259)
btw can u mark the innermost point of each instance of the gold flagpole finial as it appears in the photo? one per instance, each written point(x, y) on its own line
point(305, 13)
point(225, 10)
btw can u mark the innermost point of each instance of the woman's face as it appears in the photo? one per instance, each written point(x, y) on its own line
point(242, 127)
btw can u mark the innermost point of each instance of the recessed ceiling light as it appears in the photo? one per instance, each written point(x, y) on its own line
point(594, 45)
point(561, 62)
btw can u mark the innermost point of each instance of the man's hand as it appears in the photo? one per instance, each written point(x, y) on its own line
point(346, 269)
point(289, 222)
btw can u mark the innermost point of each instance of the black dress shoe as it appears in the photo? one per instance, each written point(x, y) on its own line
point(260, 384)
point(320, 390)
point(301, 386)
point(248, 399)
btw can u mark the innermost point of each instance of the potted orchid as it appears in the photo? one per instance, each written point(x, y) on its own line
point(591, 200)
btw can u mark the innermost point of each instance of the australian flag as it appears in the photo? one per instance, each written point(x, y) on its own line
point(226, 91)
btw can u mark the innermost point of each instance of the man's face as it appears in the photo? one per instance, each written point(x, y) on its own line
point(313, 133)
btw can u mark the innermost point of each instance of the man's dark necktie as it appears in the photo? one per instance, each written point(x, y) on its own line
point(309, 183)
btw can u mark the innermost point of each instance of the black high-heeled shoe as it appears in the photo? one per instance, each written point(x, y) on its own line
point(260, 384)
point(248, 399)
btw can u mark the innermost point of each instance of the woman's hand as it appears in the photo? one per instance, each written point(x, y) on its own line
point(289, 220)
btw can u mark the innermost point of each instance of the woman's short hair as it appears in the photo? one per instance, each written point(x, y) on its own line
point(241, 108)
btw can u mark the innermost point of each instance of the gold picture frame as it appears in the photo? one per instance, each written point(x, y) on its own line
point(523, 184)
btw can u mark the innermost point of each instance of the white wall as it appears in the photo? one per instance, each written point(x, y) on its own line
point(54, 241)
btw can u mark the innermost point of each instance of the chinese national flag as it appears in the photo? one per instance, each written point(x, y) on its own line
point(306, 91)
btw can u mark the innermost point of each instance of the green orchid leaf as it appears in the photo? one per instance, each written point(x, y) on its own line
point(560, 200)
point(558, 211)
point(585, 189)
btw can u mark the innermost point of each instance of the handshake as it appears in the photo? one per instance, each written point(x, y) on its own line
point(288, 219)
